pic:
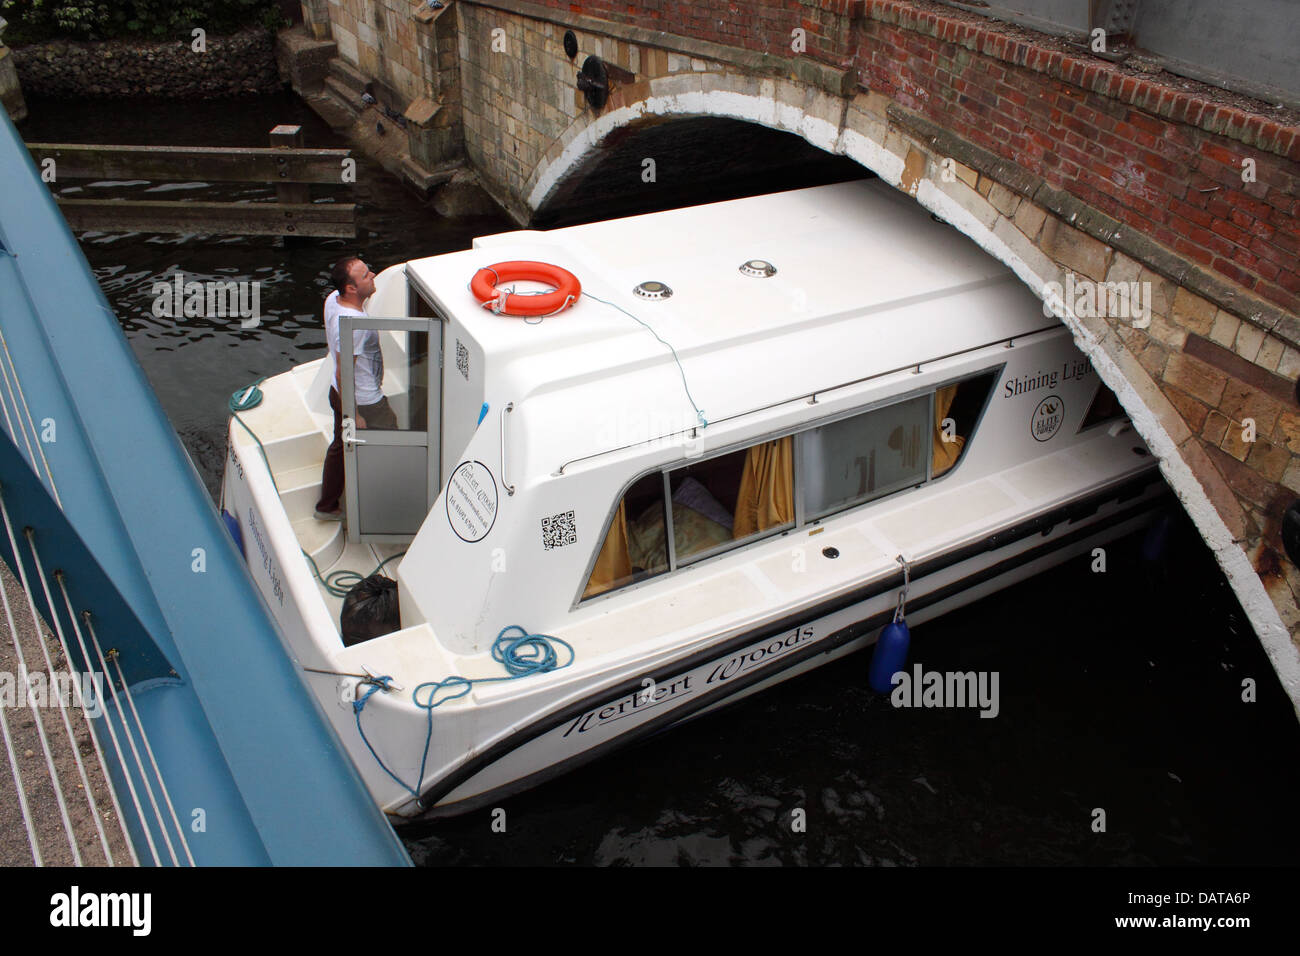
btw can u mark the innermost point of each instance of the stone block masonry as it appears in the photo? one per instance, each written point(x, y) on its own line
point(382, 39)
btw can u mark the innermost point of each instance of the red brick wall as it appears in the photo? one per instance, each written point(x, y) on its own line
point(1097, 132)
point(1154, 156)
point(763, 25)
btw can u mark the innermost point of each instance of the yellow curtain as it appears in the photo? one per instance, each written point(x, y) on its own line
point(946, 453)
point(766, 497)
point(613, 564)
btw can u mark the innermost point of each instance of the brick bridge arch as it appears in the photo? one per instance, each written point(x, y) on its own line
point(1060, 162)
point(1027, 237)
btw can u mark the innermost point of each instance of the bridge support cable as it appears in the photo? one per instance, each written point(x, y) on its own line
point(12, 755)
point(78, 696)
point(63, 710)
point(9, 372)
point(13, 422)
point(63, 643)
point(116, 696)
point(47, 750)
point(144, 738)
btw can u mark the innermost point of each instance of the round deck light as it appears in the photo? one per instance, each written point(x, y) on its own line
point(652, 290)
point(758, 267)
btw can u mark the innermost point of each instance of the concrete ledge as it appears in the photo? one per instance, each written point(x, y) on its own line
point(424, 181)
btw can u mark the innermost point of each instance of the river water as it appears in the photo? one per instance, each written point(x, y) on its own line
point(1119, 692)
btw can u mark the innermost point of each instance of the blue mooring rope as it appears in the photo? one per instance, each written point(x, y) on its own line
point(522, 654)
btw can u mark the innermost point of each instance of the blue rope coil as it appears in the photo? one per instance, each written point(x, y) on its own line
point(527, 653)
point(246, 398)
point(522, 654)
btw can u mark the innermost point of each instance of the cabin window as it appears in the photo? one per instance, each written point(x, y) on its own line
point(1105, 407)
point(856, 459)
point(730, 500)
point(420, 306)
point(417, 353)
point(406, 373)
point(957, 408)
point(635, 545)
point(717, 504)
point(721, 502)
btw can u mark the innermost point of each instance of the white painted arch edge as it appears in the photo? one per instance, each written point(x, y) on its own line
point(583, 135)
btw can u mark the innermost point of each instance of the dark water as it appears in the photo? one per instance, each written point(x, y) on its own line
point(1119, 691)
point(195, 364)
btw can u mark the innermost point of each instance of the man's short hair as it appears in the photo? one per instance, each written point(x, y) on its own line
point(339, 276)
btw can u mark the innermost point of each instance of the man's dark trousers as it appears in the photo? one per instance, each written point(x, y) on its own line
point(378, 415)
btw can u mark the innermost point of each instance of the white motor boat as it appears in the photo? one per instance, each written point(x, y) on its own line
point(704, 473)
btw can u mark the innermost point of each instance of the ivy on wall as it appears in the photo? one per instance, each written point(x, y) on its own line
point(32, 21)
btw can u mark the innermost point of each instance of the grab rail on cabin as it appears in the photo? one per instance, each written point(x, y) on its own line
point(810, 397)
point(510, 489)
point(142, 549)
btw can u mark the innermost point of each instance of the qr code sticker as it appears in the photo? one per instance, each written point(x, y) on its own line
point(559, 530)
point(462, 359)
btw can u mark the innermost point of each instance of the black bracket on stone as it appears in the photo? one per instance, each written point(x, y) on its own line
point(596, 78)
point(593, 82)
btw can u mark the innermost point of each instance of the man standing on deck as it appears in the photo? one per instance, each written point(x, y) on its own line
point(353, 284)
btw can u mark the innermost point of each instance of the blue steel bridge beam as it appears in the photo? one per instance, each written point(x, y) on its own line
point(131, 499)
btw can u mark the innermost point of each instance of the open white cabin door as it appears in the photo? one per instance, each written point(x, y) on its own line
point(391, 464)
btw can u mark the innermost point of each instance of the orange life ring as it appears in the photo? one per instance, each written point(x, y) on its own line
point(485, 282)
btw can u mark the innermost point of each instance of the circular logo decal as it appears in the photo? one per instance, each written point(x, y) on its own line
point(1047, 419)
point(471, 501)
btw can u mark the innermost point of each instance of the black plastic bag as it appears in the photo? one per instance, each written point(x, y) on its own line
point(370, 610)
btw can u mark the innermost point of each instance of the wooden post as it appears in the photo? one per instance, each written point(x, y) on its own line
point(285, 136)
point(289, 136)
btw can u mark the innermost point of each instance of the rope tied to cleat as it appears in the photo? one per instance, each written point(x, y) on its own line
point(522, 654)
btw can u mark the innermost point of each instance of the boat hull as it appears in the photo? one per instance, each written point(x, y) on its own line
point(619, 715)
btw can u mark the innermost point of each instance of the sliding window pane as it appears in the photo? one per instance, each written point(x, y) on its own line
point(720, 502)
point(866, 456)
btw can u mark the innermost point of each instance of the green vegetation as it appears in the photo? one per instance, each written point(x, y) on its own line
point(32, 21)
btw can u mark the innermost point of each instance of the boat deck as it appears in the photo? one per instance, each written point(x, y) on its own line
point(295, 439)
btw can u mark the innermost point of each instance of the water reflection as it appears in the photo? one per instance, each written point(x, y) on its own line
point(194, 363)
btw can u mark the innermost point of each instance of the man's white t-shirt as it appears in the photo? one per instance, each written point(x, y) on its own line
point(368, 374)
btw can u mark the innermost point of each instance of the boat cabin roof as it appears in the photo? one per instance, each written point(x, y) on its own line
point(865, 282)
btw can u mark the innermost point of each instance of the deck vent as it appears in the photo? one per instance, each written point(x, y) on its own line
point(758, 267)
point(652, 290)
